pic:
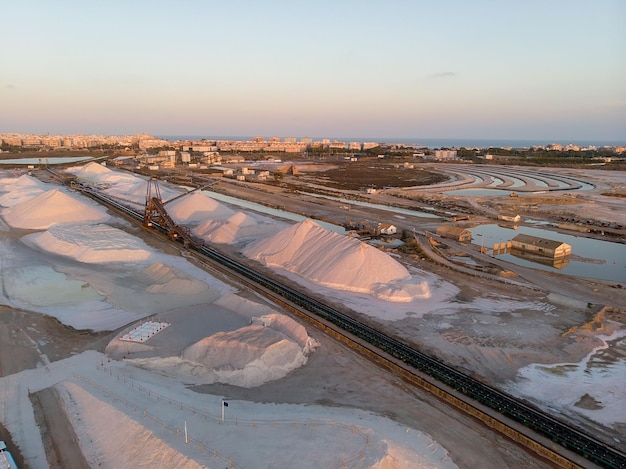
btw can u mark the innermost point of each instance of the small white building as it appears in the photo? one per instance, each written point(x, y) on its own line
point(512, 217)
point(445, 154)
point(387, 229)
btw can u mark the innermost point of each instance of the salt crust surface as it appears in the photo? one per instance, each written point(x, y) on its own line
point(167, 280)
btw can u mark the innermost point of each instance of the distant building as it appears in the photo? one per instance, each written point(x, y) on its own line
point(387, 229)
point(445, 154)
point(541, 246)
point(509, 217)
point(454, 232)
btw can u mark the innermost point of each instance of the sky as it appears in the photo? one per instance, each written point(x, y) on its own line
point(452, 69)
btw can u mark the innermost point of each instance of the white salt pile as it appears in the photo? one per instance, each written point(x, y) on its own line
point(124, 186)
point(20, 189)
point(50, 208)
point(94, 172)
point(197, 208)
point(336, 261)
point(237, 227)
point(247, 357)
point(90, 243)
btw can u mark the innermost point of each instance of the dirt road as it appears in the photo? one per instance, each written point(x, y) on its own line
point(57, 433)
point(28, 340)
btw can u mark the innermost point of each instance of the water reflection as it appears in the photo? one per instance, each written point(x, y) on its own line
point(590, 258)
point(480, 192)
point(557, 263)
point(46, 161)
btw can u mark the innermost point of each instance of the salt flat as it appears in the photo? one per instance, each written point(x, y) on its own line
point(93, 275)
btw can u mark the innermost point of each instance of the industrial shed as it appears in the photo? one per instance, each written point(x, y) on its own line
point(512, 217)
point(541, 246)
point(454, 232)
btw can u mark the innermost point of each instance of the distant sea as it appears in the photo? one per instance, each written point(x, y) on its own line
point(425, 142)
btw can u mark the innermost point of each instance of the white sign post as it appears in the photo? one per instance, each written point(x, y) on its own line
point(224, 404)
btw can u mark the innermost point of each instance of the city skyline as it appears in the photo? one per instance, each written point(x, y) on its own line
point(545, 71)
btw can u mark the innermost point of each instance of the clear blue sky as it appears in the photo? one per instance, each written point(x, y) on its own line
point(548, 69)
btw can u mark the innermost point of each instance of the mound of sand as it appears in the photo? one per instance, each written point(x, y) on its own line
point(50, 208)
point(286, 326)
point(247, 357)
point(330, 259)
point(237, 227)
point(100, 173)
point(198, 207)
point(20, 189)
point(91, 243)
point(91, 169)
point(125, 186)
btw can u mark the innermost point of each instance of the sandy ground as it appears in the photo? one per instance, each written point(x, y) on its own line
point(58, 436)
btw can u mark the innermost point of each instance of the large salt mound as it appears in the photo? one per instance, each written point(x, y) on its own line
point(21, 189)
point(7, 181)
point(237, 227)
point(197, 208)
point(122, 185)
point(287, 326)
point(27, 181)
point(50, 208)
point(97, 172)
point(328, 258)
point(91, 243)
point(90, 169)
point(247, 357)
point(241, 219)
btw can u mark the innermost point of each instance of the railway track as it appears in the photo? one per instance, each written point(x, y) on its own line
point(539, 422)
